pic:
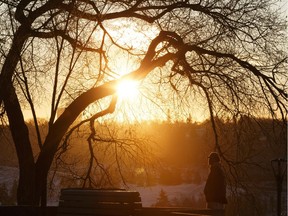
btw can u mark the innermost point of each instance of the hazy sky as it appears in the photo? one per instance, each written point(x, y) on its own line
point(44, 112)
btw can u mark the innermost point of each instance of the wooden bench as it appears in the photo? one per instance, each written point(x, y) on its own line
point(95, 202)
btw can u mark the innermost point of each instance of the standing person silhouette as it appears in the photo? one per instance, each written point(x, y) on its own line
point(215, 188)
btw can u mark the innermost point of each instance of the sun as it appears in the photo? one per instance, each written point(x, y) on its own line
point(128, 89)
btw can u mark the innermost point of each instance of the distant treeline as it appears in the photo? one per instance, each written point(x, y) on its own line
point(175, 151)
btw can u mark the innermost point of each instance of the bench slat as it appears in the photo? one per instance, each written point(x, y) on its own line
point(110, 211)
point(98, 205)
point(96, 192)
point(100, 198)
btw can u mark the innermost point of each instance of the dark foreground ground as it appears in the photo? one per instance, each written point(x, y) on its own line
point(52, 211)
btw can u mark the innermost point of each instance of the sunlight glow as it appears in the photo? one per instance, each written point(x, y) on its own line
point(127, 89)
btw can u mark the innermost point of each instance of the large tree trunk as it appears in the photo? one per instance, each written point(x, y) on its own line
point(19, 130)
point(20, 134)
point(26, 187)
point(32, 184)
point(43, 165)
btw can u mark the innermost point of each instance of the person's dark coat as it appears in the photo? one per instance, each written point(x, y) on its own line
point(215, 188)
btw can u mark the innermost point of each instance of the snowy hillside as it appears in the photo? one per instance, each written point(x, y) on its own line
point(7, 176)
point(149, 195)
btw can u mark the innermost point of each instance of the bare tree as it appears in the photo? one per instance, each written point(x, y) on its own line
point(228, 52)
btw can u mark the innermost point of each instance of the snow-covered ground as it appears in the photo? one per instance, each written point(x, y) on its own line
point(149, 195)
point(7, 176)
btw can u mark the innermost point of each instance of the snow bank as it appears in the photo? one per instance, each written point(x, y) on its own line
point(149, 195)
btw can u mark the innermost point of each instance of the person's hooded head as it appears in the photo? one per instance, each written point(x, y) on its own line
point(213, 158)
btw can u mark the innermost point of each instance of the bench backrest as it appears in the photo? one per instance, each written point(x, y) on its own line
point(97, 202)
